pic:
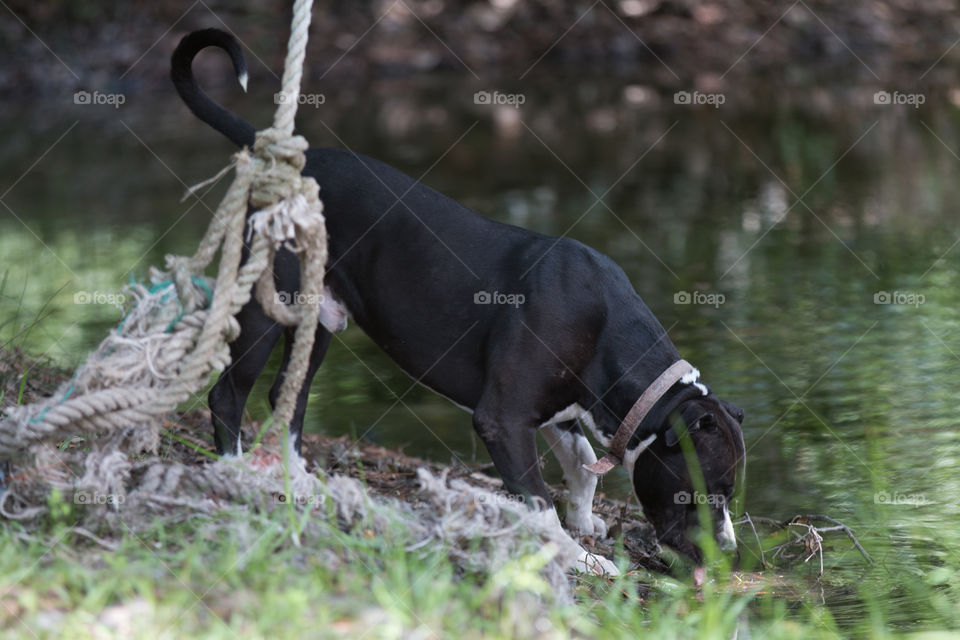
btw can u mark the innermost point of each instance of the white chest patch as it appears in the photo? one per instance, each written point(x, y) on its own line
point(576, 412)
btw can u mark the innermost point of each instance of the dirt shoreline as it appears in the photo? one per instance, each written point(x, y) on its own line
point(385, 473)
point(186, 438)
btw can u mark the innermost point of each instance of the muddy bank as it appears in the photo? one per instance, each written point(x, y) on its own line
point(187, 439)
point(391, 474)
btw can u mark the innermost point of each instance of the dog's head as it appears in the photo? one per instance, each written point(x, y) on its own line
point(661, 477)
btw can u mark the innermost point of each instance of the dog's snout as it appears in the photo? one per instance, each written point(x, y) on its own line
point(726, 536)
point(726, 544)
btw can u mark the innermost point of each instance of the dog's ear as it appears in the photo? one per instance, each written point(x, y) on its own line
point(733, 410)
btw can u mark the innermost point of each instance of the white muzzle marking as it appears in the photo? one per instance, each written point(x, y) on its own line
point(727, 538)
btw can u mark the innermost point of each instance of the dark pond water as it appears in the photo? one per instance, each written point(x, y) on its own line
point(814, 231)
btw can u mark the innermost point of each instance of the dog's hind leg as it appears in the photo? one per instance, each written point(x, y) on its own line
point(572, 449)
point(248, 355)
point(321, 343)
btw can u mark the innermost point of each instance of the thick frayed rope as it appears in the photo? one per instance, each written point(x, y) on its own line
point(175, 334)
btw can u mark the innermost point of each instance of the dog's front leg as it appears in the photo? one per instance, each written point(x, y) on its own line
point(514, 454)
point(572, 449)
point(513, 449)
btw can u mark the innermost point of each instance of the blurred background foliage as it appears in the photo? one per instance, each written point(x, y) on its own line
point(696, 41)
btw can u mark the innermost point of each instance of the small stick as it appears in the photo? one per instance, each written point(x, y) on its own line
point(746, 518)
point(106, 544)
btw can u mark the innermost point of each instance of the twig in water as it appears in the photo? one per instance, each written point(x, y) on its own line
point(839, 526)
point(809, 538)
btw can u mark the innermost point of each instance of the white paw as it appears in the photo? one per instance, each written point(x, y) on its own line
point(595, 564)
point(586, 524)
point(599, 526)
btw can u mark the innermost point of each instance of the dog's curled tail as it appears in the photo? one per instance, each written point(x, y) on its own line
point(239, 131)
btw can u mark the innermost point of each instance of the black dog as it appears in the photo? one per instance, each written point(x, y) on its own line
point(524, 330)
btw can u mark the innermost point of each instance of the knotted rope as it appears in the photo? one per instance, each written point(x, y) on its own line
point(177, 332)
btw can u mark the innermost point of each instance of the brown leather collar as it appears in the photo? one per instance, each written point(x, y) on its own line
point(635, 416)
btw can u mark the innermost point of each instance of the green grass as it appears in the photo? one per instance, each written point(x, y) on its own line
point(240, 576)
